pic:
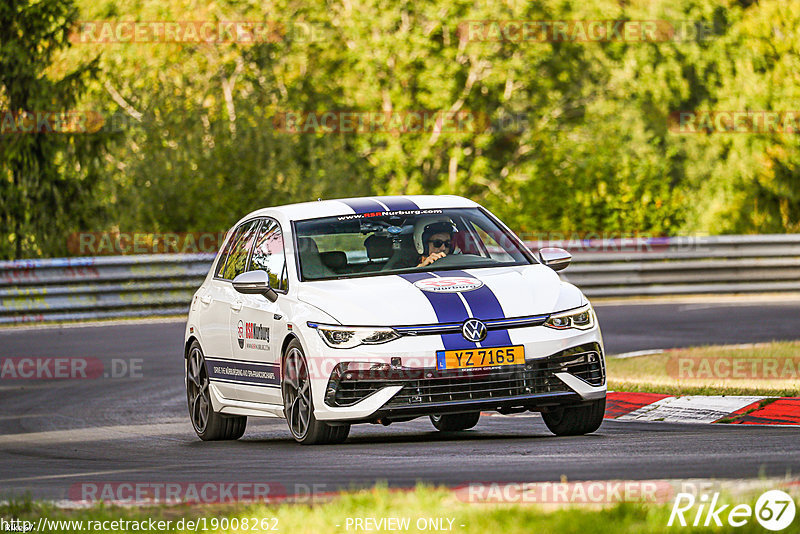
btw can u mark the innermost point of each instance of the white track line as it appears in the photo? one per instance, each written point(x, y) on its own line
point(636, 353)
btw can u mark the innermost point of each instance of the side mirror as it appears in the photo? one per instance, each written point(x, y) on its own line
point(255, 283)
point(555, 258)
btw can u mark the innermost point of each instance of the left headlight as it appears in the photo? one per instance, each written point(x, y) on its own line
point(347, 337)
point(581, 318)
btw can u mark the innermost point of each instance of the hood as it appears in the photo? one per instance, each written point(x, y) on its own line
point(397, 300)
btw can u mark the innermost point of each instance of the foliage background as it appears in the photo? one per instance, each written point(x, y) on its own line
point(589, 150)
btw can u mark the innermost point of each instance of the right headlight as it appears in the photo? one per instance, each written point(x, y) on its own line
point(581, 318)
point(347, 337)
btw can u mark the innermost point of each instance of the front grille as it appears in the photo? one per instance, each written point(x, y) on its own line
point(453, 328)
point(426, 386)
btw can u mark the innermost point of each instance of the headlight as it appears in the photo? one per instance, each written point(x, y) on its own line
point(347, 337)
point(581, 318)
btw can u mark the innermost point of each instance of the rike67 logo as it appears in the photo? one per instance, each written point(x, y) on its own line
point(774, 510)
point(251, 331)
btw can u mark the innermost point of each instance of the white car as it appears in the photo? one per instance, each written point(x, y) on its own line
point(382, 310)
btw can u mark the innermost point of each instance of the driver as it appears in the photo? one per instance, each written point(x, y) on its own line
point(434, 241)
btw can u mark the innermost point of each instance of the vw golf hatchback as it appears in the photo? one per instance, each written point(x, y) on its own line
point(383, 310)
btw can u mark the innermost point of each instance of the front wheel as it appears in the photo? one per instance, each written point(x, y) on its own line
point(456, 421)
point(298, 406)
point(208, 424)
point(576, 420)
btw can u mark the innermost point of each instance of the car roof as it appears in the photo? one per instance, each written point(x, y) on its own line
point(349, 206)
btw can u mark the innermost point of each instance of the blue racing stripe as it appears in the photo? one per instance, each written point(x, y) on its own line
point(484, 305)
point(363, 205)
point(399, 203)
point(415, 277)
point(448, 309)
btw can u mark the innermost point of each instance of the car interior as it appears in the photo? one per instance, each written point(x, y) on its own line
point(381, 253)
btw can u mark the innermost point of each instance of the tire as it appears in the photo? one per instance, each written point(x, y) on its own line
point(456, 421)
point(208, 424)
point(576, 420)
point(298, 405)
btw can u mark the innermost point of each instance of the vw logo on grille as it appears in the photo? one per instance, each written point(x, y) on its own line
point(473, 330)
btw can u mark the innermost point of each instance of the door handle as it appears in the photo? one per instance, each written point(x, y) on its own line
point(206, 299)
point(236, 306)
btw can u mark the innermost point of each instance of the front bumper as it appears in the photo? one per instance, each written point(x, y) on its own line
point(571, 376)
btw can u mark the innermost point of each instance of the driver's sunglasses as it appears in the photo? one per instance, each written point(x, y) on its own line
point(438, 243)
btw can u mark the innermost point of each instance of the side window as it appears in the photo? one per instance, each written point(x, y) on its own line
point(268, 254)
point(225, 253)
point(242, 243)
point(496, 251)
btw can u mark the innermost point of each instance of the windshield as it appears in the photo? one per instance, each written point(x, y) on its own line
point(399, 242)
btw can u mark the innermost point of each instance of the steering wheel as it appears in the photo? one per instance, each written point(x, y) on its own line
point(448, 261)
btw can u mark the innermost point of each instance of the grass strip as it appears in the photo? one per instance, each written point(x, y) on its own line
point(424, 508)
point(771, 369)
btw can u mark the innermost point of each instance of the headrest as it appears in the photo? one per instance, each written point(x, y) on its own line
point(378, 247)
point(335, 259)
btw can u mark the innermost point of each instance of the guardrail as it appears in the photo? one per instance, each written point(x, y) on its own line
point(685, 265)
point(69, 289)
point(66, 289)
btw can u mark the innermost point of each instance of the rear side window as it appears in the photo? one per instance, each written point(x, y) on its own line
point(268, 254)
point(240, 247)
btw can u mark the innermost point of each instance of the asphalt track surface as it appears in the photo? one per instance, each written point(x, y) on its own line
point(57, 434)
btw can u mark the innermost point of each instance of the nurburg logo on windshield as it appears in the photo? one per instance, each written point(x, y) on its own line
point(473, 330)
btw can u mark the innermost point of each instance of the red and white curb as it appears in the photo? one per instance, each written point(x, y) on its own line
point(747, 410)
point(784, 411)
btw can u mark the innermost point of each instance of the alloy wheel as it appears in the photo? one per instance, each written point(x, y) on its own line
point(296, 393)
point(197, 390)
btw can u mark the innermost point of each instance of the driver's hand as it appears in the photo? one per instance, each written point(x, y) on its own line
point(432, 258)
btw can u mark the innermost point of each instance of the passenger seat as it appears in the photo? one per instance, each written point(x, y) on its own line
point(310, 260)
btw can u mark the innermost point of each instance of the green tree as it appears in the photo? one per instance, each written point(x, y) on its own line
point(754, 180)
point(46, 179)
point(578, 138)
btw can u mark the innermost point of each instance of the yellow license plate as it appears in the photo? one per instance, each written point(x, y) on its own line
point(479, 358)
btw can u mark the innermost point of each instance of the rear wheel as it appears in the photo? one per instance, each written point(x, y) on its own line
point(576, 420)
point(298, 406)
point(208, 424)
point(456, 421)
